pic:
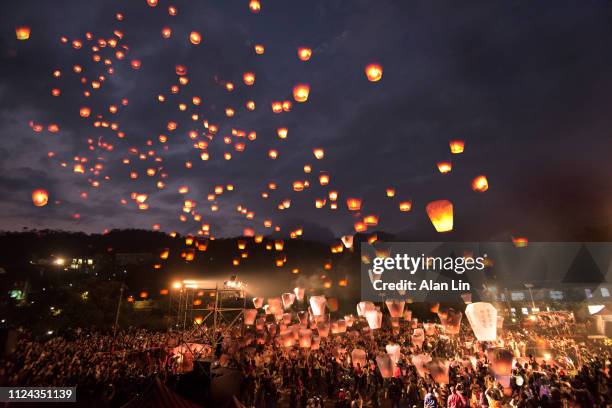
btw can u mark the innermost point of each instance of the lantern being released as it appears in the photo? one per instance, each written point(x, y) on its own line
point(374, 319)
point(22, 33)
point(301, 92)
point(363, 307)
point(393, 350)
point(502, 360)
point(374, 72)
point(258, 302)
point(483, 320)
point(288, 299)
point(317, 304)
point(299, 293)
point(440, 213)
point(249, 316)
point(359, 358)
point(385, 365)
point(438, 369)
point(396, 307)
point(418, 337)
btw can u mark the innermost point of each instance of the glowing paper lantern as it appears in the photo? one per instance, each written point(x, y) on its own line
point(323, 329)
point(258, 302)
point(40, 197)
point(317, 304)
point(275, 305)
point(288, 299)
point(395, 307)
point(385, 365)
point(22, 33)
point(480, 184)
point(305, 338)
point(347, 241)
point(349, 319)
point(407, 315)
point(304, 53)
point(393, 350)
point(353, 204)
point(358, 356)
point(520, 242)
point(420, 363)
point(444, 167)
point(373, 72)
point(249, 316)
point(374, 319)
point(364, 306)
point(457, 146)
point(255, 6)
point(440, 213)
point(195, 38)
point(299, 293)
point(483, 320)
point(301, 92)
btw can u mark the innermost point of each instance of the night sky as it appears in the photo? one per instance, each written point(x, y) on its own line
point(527, 85)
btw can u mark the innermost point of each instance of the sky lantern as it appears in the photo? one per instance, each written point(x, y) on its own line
point(483, 320)
point(405, 206)
point(166, 32)
point(299, 293)
point(305, 338)
point(353, 204)
point(395, 307)
point(390, 192)
point(457, 146)
point(152, 3)
point(40, 197)
point(164, 254)
point(195, 38)
point(258, 302)
point(318, 153)
point(136, 64)
point(301, 92)
point(324, 178)
point(451, 320)
point(249, 316)
point(520, 242)
point(288, 299)
point(444, 167)
point(370, 220)
point(255, 6)
point(374, 72)
point(22, 33)
point(440, 213)
point(374, 318)
point(248, 78)
point(304, 53)
point(317, 304)
point(282, 132)
point(358, 356)
point(347, 241)
point(360, 226)
point(480, 184)
point(393, 350)
point(259, 49)
point(84, 112)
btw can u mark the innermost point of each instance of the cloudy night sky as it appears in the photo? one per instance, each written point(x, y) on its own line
point(527, 85)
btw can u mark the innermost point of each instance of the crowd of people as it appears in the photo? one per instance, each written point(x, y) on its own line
point(551, 368)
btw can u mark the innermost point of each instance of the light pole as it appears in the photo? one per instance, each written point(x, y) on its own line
point(117, 314)
point(529, 286)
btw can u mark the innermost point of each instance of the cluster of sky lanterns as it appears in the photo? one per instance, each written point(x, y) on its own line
point(202, 133)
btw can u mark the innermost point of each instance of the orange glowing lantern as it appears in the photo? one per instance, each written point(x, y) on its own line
point(405, 206)
point(317, 304)
point(324, 179)
point(374, 319)
point(22, 33)
point(258, 302)
point(457, 146)
point(373, 72)
point(520, 242)
point(84, 112)
point(395, 307)
point(301, 92)
point(248, 78)
point(255, 6)
point(259, 49)
point(318, 153)
point(480, 184)
point(40, 197)
point(444, 167)
point(249, 316)
point(370, 220)
point(304, 53)
point(353, 204)
point(440, 213)
point(195, 38)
